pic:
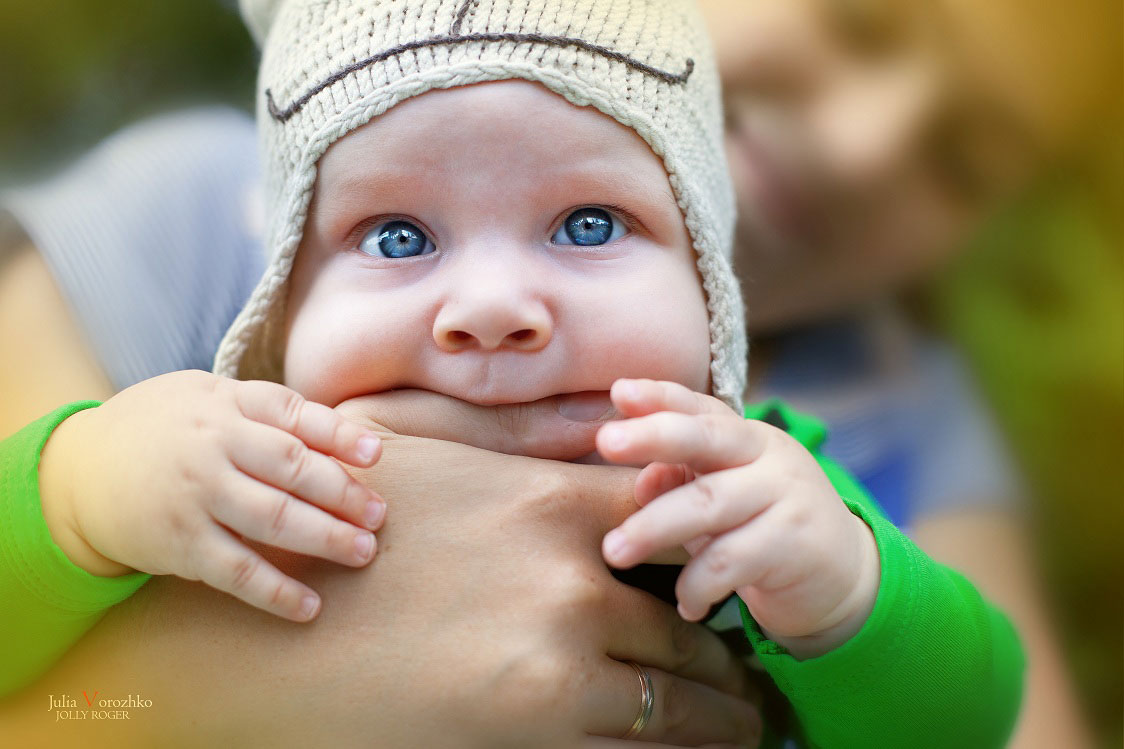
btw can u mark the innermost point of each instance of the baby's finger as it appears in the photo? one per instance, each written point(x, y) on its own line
point(267, 514)
point(318, 426)
point(658, 478)
point(229, 565)
point(711, 504)
point(283, 461)
point(738, 559)
point(708, 442)
point(695, 545)
point(642, 397)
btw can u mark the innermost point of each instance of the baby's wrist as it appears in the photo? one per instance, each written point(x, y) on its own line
point(856, 608)
point(57, 468)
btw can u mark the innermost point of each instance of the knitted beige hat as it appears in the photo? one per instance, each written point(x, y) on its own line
point(329, 66)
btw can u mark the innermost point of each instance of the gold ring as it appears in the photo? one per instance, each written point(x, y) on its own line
point(647, 702)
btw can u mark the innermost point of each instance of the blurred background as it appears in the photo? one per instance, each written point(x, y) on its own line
point(1033, 295)
point(78, 71)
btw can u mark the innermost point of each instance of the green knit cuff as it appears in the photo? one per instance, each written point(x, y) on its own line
point(27, 549)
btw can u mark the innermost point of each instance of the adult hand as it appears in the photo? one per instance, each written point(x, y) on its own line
point(489, 619)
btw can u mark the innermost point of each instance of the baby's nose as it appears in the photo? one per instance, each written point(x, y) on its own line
point(493, 324)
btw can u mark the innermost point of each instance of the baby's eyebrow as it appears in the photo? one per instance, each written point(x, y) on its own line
point(623, 187)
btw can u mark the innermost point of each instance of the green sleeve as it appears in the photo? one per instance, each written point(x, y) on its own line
point(935, 665)
point(48, 601)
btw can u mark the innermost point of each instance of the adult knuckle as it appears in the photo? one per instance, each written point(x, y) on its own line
point(519, 417)
point(685, 640)
point(508, 420)
point(545, 493)
point(747, 724)
point(576, 587)
point(674, 707)
point(536, 684)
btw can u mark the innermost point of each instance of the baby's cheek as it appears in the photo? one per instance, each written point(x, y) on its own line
point(654, 340)
point(329, 363)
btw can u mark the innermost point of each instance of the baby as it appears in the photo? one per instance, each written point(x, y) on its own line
point(491, 220)
point(500, 201)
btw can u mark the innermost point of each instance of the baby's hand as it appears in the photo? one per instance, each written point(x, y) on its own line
point(752, 507)
point(166, 476)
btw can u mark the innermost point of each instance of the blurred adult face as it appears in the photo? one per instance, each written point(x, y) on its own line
point(867, 137)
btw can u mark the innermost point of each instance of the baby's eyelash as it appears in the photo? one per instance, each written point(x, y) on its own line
point(355, 236)
point(629, 217)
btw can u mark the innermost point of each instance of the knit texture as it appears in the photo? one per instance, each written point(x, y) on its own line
point(330, 66)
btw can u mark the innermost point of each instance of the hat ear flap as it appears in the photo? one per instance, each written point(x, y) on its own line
point(258, 16)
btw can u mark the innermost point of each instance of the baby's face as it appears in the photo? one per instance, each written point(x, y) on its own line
point(497, 244)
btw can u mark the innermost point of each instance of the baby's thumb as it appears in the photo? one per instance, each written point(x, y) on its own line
point(561, 427)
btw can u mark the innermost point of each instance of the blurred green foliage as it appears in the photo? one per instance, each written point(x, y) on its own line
point(1037, 303)
point(76, 70)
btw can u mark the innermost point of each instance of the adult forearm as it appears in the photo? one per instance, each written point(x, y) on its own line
point(47, 363)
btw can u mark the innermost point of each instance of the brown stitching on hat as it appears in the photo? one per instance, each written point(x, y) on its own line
point(283, 115)
point(455, 29)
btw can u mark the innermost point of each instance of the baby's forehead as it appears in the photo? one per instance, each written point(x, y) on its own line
point(512, 137)
point(516, 125)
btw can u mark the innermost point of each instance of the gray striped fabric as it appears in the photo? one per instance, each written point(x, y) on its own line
point(154, 238)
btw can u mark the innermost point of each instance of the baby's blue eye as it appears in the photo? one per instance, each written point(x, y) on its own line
point(589, 226)
point(395, 239)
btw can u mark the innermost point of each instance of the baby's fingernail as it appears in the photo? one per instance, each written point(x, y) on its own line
point(615, 544)
point(373, 514)
point(585, 407)
point(613, 438)
point(365, 546)
point(309, 606)
point(627, 389)
point(366, 447)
